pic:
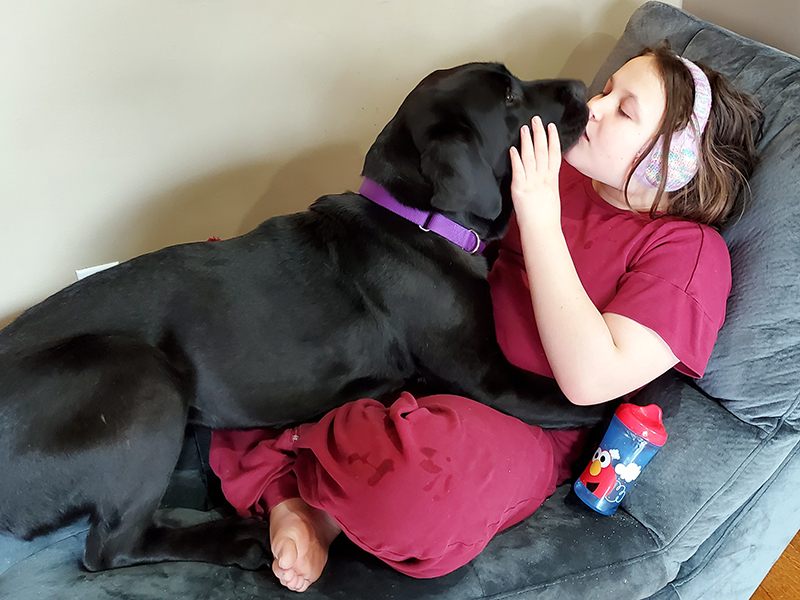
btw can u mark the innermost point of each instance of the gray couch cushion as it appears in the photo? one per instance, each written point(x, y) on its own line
point(755, 366)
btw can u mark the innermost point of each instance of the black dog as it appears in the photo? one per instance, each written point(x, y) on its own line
point(304, 313)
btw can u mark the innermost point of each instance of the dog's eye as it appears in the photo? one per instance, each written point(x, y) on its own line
point(511, 98)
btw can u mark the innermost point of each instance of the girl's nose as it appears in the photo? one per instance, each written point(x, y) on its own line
point(595, 105)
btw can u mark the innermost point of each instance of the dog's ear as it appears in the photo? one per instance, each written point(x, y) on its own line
point(462, 180)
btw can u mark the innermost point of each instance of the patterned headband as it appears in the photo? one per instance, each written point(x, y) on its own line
point(684, 152)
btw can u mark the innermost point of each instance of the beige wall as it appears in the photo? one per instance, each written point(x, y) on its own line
point(773, 22)
point(129, 125)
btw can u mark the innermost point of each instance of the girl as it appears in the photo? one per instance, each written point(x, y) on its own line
point(612, 273)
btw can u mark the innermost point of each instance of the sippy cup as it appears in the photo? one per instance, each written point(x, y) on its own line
point(633, 437)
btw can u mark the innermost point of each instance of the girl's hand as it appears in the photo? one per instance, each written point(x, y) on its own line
point(534, 182)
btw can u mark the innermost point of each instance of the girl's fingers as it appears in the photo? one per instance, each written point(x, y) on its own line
point(526, 147)
point(517, 168)
point(554, 147)
point(537, 149)
point(540, 150)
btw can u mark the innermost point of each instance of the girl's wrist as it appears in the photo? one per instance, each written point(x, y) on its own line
point(539, 224)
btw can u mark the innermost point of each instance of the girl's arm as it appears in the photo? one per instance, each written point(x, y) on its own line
point(595, 357)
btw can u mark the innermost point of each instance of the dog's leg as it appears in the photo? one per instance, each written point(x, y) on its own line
point(123, 466)
point(536, 400)
point(233, 541)
point(94, 425)
point(117, 542)
point(481, 372)
point(230, 541)
point(123, 530)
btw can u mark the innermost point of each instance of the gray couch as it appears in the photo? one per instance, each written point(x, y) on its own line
point(711, 512)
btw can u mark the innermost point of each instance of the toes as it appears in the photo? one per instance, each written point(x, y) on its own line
point(285, 576)
point(290, 579)
point(286, 567)
point(286, 553)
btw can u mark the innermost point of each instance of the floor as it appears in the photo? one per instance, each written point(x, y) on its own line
point(783, 580)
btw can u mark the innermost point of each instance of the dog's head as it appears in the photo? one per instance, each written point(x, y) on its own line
point(446, 149)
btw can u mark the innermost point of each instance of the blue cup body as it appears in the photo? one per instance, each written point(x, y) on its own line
point(614, 467)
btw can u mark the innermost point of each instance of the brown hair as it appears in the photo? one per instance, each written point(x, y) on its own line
point(727, 147)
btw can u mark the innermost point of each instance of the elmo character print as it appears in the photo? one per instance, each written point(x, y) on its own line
point(599, 476)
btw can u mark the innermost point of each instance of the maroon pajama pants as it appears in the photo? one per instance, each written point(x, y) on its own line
point(423, 485)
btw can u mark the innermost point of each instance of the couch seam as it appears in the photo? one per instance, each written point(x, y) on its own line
point(52, 543)
point(722, 488)
point(754, 497)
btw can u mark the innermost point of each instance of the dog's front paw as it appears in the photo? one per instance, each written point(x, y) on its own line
point(247, 546)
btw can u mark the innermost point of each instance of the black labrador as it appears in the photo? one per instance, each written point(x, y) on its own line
point(308, 311)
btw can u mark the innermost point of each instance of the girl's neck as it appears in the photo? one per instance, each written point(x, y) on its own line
point(639, 198)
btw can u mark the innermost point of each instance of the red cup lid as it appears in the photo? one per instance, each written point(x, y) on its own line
point(644, 421)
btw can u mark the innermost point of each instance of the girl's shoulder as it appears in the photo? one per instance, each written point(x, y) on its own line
point(691, 255)
point(683, 233)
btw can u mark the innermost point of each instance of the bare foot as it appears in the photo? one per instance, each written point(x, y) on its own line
point(300, 536)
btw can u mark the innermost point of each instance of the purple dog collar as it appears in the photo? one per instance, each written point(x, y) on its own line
point(427, 221)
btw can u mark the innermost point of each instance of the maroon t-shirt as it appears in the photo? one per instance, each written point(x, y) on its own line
point(668, 274)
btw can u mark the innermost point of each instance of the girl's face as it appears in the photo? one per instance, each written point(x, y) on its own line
point(622, 120)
